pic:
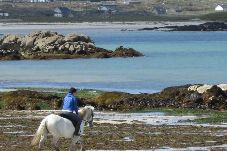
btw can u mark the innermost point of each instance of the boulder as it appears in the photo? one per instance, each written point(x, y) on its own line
point(223, 87)
point(203, 88)
point(71, 38)
point(126, 52)
point(8, 39)
point(77, 37)
point(71, 49)
point(215, 98)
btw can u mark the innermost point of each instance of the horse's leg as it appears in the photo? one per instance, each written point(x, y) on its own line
point(55, 142)
point(81, 146)
point(75, 139)
point(42, 140)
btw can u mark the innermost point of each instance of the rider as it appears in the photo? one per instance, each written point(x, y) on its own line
point(70, 101)
point(69, 107)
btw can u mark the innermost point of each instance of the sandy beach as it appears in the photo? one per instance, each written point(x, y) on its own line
point(95, 25)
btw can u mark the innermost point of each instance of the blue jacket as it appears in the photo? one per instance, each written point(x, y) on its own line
point(70, 103)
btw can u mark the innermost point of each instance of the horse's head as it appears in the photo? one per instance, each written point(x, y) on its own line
point(87, 114)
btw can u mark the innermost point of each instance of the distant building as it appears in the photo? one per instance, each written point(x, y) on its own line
point(39, 1)
point(108, 9)
point(3, 13)
point(221, 8)
point(109, 3)
point(62, 12)
point(128, 2)
point(159, 10)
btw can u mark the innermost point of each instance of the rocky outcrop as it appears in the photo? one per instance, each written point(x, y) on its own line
point(176, 97)
point(214, 98)
point(209, 26)
point(51, 45)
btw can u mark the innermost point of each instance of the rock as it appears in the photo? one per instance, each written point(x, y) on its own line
point(49, 49)
point(204, 88)
point(91, 45)
point(28, 42)
point(71, 49)
point(193, 88)
point(43, 42)
point(126, 52)
point(209, 26)
point(215, 98)
point(67, 45)
point(10, 39)
point(76, 37)
point(50, 45)
point(61, 48)
point(71, 37)
point(223, 87)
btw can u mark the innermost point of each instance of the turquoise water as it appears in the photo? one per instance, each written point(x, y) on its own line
point(171, 58)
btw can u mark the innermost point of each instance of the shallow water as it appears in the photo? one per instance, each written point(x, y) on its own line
point(171, 58)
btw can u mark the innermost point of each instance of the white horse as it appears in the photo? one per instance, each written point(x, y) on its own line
point(61, 127)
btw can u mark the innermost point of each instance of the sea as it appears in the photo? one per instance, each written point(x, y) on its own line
point(170, 59)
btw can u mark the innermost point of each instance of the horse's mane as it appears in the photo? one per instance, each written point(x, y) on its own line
point(82, 111)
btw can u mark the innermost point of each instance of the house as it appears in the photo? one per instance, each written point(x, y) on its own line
point(40, 1)
point(108, 2)
point(3, 13)
point(129, 2)
point(107, 9)
point(62, 12)
point(159, 10)
point(221, 8)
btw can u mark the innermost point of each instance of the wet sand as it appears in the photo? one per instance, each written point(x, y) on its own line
point(18, 127)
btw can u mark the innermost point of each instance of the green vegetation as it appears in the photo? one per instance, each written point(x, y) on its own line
point(103, 18)
point(2, 104)
point(108, 98)
point(89, 93)
point(42, 106)
point(82, 93)
point(220, 16)
point(46, 98)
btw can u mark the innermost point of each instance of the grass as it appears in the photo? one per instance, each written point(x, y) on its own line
point(219, 16)
point(42, 106)
point(2, 104)
point(81, 93)
point(108, 98)
point(89, 93)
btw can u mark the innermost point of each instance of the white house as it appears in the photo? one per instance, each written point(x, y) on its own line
point(221, 8)
point(3, 13)
point(62, 12)
point(39, 1)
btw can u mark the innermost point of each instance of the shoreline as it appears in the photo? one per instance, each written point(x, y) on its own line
point(110, 25)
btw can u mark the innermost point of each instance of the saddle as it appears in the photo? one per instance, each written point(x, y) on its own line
point(74, 118)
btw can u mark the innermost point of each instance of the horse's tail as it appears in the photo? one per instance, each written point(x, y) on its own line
point(41, 130)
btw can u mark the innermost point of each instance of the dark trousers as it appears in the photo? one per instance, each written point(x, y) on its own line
point(74, 118)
